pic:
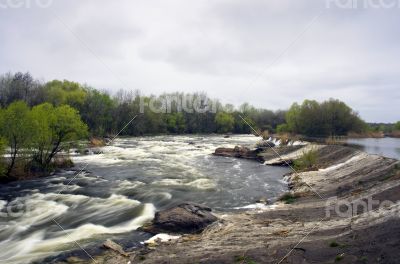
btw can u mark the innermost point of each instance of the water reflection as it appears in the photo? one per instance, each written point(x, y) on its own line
point(388, 147)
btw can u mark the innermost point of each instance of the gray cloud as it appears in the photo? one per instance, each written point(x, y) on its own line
point(225, 48)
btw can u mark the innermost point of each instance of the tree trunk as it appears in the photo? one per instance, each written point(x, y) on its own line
point(54, 151)
point(13, 158)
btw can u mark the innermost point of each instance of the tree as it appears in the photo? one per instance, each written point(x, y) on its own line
point(65, 92)
point(16, 127)
point(282, 128)
point(3, 165)
point(54, 126)
point(19, 87)
point(328, 118)
point(97, 112)
point(292, 118)
point(175, 123)
point(397, 126)
point(224, 122)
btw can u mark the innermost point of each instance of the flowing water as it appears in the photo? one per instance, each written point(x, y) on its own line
point(122, 188)
point(388, 147)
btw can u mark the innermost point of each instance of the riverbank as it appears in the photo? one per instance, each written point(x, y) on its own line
point(327, 234)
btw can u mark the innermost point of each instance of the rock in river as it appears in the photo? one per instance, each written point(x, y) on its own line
point(184, 218)
point(237, 152)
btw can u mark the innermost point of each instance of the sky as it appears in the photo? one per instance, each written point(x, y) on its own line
point(269, 53)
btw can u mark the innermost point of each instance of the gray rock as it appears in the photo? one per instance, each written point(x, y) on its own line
point(109, 244)
point(237, 152)
point(263, 200)
point(184, 218)
point(265, 144)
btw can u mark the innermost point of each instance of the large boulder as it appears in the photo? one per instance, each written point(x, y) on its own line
point(237, 152)
point(184, 218)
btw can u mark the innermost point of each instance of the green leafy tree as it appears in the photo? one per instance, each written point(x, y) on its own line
point(282, 128)
point(55, 126)
point(328, 118)
point(97, 112)
point(16, 128)
point(175, 123)
point(292, 118)
point(224, 122)
point(397, 126)
point(65, 92)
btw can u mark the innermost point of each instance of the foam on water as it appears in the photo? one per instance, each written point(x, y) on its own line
point(121, 189)
point(42, 208)
point(199, 183)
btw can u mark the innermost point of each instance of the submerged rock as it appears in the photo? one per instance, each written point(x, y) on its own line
point(265, 144)
point(263, 200)
point(184, 218)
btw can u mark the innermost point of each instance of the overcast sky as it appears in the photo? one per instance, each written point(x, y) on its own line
point(268, 53)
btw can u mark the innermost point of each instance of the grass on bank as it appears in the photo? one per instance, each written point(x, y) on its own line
point(307, 162)
point(244, 260)
point(288, 198)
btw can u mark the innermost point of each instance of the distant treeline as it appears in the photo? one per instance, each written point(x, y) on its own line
point(386, 128)
point(177, 113)
point(107, 114)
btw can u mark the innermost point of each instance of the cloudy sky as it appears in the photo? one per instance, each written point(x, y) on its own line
point(269, 53)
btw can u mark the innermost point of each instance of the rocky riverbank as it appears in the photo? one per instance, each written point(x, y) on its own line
point(345, 212)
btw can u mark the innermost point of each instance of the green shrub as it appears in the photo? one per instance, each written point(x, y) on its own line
point(244, 259)
point(288, 198)
point(333, 244)
point(282, 128)
point(308, 161)
point(339, 257)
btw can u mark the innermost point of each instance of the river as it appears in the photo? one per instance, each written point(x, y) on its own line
point(122, 188)
point(388, 147)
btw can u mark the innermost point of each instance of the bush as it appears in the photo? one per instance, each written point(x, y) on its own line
point(397, 126)
point(307, 162)
point(282, 128)
point(288, 198)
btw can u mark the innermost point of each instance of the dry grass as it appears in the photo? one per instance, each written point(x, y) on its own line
point(97, 142)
